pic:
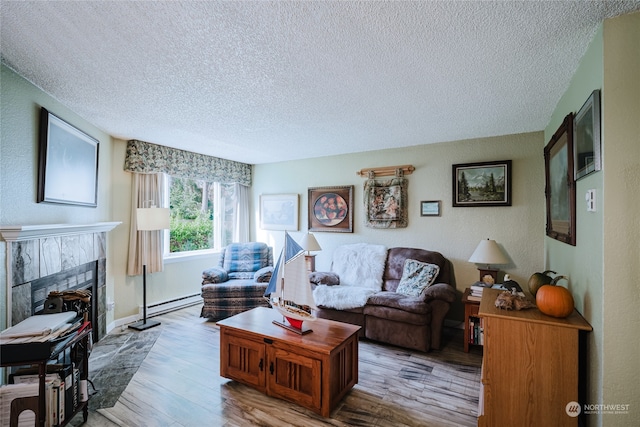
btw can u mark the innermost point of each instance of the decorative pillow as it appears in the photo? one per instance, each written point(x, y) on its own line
point(263, 275)
point(416, 277)
point(245, 257)
point(324, 278)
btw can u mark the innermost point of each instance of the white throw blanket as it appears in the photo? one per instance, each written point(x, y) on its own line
point(360, 267)
point(360, 264)
point(341, 297)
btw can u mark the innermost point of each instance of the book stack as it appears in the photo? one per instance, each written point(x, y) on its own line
point(476, 293)
point(476, 330)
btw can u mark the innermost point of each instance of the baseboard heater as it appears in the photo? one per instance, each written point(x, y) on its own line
point(171, 305)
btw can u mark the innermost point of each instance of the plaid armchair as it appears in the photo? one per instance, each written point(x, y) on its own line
point(238, 282)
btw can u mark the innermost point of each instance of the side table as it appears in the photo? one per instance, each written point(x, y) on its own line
point(471, 308)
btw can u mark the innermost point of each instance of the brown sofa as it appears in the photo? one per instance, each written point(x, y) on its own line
point(394, 318)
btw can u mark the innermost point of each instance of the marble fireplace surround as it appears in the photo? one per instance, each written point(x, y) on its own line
point(36, 252)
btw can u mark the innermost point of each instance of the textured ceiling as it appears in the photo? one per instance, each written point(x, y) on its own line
point(269, 81)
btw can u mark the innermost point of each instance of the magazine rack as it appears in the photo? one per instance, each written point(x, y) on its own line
point(78, 343)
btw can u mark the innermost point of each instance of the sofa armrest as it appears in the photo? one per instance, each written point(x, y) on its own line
point(263, 275)
point(441, 291)
point(324, 278)
point(214, 275)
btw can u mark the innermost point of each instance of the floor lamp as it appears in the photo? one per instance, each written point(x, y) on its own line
point(148, 219)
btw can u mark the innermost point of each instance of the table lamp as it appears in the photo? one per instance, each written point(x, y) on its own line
point(309, 243)
point(488, 252)
point(148, 219)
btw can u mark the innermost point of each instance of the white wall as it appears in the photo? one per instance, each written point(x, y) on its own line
point(518, 228)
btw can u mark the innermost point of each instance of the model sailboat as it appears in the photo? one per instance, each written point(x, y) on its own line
point(289, 290)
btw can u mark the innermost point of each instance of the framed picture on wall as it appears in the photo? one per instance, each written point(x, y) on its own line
point(586, 137)
point(482, 184)
point(430, 208)
point(331, 209)
point(279, 212)
point(67, 164)
point(560, 186)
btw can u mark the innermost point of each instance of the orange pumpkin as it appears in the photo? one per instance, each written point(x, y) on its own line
point(553, 300)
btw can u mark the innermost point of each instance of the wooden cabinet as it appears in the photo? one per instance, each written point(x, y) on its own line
point(314, 370)
point(295, 377)
point(530, 366)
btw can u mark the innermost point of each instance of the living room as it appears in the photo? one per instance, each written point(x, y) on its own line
point(606, 240)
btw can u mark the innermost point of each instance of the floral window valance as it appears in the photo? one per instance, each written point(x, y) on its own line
point(144, 157)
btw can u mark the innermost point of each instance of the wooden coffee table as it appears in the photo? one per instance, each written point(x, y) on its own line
point(314, 370)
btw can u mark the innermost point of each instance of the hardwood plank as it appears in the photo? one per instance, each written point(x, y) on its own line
point(179, 384)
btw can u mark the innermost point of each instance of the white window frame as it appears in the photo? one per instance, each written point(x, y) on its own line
point(171, 257)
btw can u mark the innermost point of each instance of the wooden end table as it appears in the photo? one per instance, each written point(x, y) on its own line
point(314, 370)
point(471, 308)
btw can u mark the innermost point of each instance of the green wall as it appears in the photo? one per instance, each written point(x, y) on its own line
point(19, 124)
point(583, 263)
point(603, 267)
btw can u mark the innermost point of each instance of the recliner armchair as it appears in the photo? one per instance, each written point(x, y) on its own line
point(238, 282)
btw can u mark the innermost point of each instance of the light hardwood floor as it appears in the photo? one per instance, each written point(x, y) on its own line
point(178, 384)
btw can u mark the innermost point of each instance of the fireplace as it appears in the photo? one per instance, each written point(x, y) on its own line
point(46, 258)
point(83, 277)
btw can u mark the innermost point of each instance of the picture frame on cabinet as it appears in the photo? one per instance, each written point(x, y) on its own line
point(67, 163)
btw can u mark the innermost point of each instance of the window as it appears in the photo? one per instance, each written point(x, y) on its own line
point(203, 215)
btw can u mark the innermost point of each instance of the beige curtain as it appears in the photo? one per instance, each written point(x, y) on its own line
point(146, 247)
point(241, 223)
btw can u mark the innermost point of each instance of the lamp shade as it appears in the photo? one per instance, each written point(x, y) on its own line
point(309, 243)
point(488, 252)
point(149, 219)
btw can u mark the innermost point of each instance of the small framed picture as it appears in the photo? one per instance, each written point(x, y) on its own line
point(430, 208)
point(279, 212)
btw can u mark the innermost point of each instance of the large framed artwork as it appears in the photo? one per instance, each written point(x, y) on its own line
point(385, 202)
point(68, 163)
point(279, 212)
point(482, 184)
point(560, 186)
point(586, 137)
point(331, 209)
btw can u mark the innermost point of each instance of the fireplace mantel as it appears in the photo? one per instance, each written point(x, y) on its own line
point(16, 233)
point(37, 253)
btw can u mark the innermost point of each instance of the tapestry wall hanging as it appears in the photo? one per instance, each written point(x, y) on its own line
point(385, 203)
